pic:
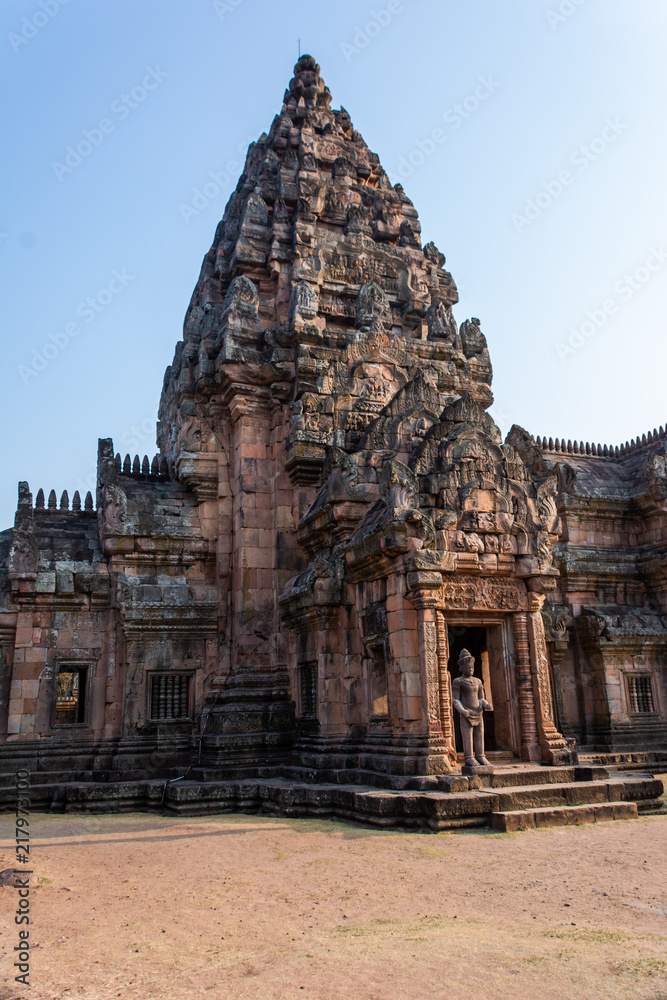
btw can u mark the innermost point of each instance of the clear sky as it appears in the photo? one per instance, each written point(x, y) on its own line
point(530, 136)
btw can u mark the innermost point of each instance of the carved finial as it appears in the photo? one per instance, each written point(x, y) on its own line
point(76, 501)
point(88, 502)
point(127, 465)
point(136, 468)
point(53, 502)
point(307, 86)
point(164, 468)
point(551, 444)
point(155, 466)
point(64, 500)
point(145, 467)
point(117, 462)
point(39, 499)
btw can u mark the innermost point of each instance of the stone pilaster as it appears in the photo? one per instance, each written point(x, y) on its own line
point(424, 598)
point(554, 747)
point(530, 747)
point(445, 686)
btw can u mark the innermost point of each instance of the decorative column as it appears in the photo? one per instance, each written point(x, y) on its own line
point(554, 746)
point(445, 686)
point(530, 747)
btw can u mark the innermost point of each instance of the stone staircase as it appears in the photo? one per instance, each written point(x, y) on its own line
point(512, 798)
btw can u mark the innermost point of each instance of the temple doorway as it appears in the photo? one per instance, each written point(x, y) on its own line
point(475, 640)
point(492, 646)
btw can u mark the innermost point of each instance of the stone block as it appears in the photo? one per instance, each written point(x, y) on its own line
point(411, 709)
point(411, 685)
point(29, 688)
point(403, 643)
point(35, 654)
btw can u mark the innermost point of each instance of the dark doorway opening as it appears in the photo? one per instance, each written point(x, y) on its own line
point(473, 639)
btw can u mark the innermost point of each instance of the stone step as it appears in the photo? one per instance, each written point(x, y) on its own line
point(532, 819)
point(572, 793)
point(506, 777)
point(655, 760)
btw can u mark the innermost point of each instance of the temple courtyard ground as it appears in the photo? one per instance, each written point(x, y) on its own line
point(144, 906)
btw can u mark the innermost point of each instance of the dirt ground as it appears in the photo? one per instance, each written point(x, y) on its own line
point(235, 907)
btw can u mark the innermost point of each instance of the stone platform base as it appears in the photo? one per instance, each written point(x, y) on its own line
point(450, 802)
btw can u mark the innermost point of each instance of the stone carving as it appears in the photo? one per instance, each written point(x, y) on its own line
point(442, 325)
point(303, 302)
point(462, 593)
point(473, 340)
point(432, 682)
point(470, 703)
point(23, 555)
point(371, 304)
point(114, 510)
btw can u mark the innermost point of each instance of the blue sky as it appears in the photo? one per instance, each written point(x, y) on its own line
point(529, 135)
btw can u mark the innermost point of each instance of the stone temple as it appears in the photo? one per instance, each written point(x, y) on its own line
point(272, 610)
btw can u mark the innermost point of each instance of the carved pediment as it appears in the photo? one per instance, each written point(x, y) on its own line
point(405, 420)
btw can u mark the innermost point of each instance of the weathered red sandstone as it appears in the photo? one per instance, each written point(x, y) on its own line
point(333, 516)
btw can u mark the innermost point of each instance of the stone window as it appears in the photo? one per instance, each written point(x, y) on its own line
point(71, 695)
point(308, 672)
point(640, 690)
point(170, 697)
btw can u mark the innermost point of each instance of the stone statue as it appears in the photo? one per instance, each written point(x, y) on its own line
point(469, 702)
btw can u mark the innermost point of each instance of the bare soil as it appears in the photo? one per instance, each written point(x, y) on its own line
point(235, 907)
